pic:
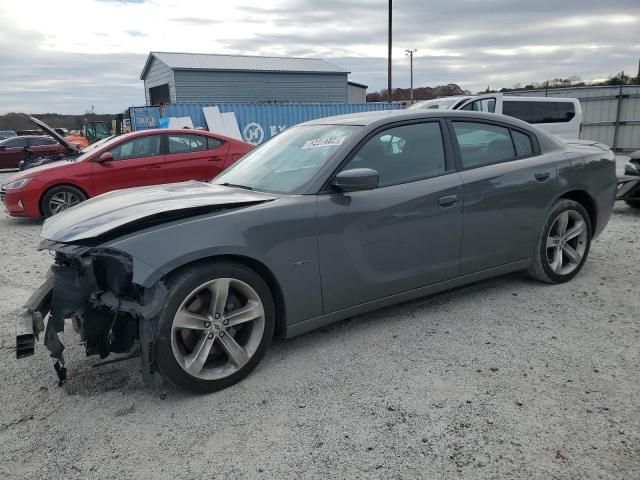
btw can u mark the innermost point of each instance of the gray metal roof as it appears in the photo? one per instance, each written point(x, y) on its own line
point(206, 61)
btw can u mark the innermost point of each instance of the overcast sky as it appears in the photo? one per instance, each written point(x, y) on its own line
point(65, 56)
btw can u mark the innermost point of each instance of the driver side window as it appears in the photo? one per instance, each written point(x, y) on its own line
point(403, 154)
point(147, 146)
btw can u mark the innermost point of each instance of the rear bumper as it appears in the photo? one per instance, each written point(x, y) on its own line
point(628, 188)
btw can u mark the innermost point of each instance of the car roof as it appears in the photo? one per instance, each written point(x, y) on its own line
point(388, 116)
point(28, 136)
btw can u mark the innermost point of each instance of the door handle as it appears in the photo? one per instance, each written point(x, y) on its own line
point(152, 167)
point(448, 200)
point(216, 159)
point(542, 176)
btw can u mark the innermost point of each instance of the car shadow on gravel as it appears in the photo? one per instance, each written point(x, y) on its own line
point(24, 222)
point(405, 311)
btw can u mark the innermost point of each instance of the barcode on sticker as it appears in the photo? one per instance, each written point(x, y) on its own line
point(323, 142)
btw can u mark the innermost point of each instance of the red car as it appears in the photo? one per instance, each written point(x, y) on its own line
point(12, 149)
point(132, 160)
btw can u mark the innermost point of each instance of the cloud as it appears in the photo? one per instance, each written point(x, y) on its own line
point(56, 61)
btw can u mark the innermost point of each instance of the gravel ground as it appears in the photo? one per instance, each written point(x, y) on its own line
point(507, 378)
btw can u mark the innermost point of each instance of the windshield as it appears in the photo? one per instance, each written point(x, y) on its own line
point(93, 146)
point(289, 160)
point(90, 150)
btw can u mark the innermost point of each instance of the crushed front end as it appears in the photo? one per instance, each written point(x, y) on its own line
point(93, 288)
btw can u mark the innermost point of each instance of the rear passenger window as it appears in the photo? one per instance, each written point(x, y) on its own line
point(213, 143)
point(42, 141)
point(539, 112)
point(403, 154)
point(483, 144)
point(522, 141)
point(187, 143)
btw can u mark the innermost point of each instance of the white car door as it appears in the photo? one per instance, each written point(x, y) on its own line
point(490, 103)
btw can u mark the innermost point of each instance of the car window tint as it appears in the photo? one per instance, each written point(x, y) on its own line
point(187, 143)
point(522, 141)
point(213, 143)
point(42, 141)
point(403, 154)
point(15, 142)
point(539, 112)
point(147, 146)
point(483, 144)
point(482, 105)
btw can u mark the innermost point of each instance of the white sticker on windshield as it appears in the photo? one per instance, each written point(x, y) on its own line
point(324, 142)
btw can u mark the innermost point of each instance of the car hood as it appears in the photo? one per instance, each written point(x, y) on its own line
point(32, 172)
point(124, 211)
point(56, 135)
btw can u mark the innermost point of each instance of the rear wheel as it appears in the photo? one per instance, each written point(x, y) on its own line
point(59, 198)
point(633, 203)
point(216, 326)
point(564, 244)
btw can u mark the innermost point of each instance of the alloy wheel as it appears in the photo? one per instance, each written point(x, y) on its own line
point(63, 200)
point(567, 242)
point(217, 328)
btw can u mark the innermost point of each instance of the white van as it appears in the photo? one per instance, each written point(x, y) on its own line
point(559, 116)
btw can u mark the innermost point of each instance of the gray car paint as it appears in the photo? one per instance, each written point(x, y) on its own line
point(361, 250)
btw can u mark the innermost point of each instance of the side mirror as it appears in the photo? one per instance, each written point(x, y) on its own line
point(356, 179)
point(105, 157)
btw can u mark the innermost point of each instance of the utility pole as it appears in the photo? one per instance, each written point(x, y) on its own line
point(389, 57)
point(410, 53)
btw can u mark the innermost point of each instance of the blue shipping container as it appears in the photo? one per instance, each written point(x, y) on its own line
point(257, 122)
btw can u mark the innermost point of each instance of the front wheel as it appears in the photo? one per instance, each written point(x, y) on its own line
point(564, 243)
point(60, 198)
point(216, 326)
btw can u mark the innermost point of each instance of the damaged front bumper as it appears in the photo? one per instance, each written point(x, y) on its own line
point(92, 287)
point(628, 188)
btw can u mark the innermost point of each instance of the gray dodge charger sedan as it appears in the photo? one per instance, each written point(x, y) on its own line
point(327, 220)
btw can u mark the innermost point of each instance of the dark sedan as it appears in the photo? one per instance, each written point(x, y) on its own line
point(325, 221)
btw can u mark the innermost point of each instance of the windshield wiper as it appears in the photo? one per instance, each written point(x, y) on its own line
point(227, 184)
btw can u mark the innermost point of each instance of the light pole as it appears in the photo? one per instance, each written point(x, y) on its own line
point(410, 53)
point(389, 58)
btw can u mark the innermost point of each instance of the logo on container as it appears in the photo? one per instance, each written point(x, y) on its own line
point(253, 133)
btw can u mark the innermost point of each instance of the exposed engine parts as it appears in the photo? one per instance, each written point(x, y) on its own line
point(92, 288)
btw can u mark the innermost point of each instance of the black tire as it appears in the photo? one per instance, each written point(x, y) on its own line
point(633, 203)
point(182, 284)
point(61, 190)
point(541, 265)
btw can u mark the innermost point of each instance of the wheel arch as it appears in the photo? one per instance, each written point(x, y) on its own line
point(261, 269)
point(55, 185)
point(587, 201)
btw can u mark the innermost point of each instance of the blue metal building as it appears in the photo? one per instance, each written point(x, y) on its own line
point(193, 77)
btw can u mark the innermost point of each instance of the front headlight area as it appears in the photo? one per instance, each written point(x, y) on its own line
point(631, 168)
point(90, 288)
point(16, 184)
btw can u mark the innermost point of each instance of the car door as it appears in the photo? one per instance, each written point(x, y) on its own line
point(136, 162)
point(508, 184)
point(11, 152)
point(490, 103)
point(194, 157)
point(402, 235)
